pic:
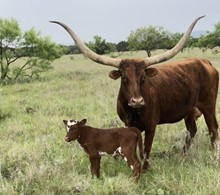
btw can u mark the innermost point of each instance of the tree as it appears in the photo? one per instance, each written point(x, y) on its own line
point(174, 38)
point(122, 46)
point(36, 52)
point(100, 46)
point(211, 40)
point(71, 49)
point(148, 39)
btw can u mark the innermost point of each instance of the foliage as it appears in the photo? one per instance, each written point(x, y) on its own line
point(122, 46)
point(211, 40)
point(149, 39)
point(100, 46)
point(14, 44)
point(71, 49)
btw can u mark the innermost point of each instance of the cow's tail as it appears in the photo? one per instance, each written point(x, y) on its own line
point(140, 145)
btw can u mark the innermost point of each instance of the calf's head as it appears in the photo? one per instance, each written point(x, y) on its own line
point(133, 75)
point(73, 129)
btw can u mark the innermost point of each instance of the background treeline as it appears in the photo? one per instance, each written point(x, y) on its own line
point(149, 39)
point(24, 55)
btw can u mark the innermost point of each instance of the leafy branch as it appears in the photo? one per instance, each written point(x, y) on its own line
point(24, 54)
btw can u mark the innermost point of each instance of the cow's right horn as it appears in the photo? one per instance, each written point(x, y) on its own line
point(172, 52)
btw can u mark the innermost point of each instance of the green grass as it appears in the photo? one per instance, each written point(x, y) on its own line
point(35, 159)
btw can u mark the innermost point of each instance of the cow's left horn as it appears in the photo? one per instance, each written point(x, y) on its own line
point(88, 52)
point(172, 52)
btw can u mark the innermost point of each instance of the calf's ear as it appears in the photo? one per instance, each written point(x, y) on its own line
point(151, 72)
point(65, 122)
point(83, 122)
point(114, 74)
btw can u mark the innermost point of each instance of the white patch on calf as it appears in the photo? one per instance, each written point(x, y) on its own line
point(102, 153)
point(132, 167)
point(69, 124)
point(117, 152)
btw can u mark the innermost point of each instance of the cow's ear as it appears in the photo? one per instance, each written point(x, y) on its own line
point(115, 74)
point(83, 122)
point(151, 72)
point(65, 122)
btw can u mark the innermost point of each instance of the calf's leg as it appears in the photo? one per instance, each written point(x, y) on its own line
point(95, 164)
point(133, 162)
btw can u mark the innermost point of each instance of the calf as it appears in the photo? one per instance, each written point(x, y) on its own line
point(97, 142)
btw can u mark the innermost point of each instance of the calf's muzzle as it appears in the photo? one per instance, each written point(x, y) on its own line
point(67, 139)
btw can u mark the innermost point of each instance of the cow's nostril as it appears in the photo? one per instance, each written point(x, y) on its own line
point(136, 102)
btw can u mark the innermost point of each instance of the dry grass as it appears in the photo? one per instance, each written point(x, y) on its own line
point(36, 160)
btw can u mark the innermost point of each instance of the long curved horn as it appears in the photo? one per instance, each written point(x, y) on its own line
point(172, 52)
point(88, 52)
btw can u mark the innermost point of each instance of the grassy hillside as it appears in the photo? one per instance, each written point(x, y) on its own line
point(35, 159)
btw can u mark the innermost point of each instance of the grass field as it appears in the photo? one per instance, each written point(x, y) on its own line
point(35, 159)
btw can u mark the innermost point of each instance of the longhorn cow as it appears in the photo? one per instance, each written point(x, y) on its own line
point(167, 93)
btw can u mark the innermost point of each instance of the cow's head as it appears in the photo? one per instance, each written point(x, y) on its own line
point(131, 71)
point(133, 74)
point(73, 129)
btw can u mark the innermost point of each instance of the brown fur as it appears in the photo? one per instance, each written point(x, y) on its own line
point(95, 140)
point(166, 94)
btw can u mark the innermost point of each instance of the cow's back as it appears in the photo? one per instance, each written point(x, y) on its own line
point(179, 87)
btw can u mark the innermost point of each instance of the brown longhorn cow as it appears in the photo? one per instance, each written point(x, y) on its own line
point(168, 93)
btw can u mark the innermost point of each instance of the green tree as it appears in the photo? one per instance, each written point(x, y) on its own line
point(100, 46)
point(122, 46)
point(211, 40)
point(148, 39)
point(174, 38)
point(36, 52)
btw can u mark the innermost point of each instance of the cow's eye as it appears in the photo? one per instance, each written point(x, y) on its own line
point(143, 78)
point(123, 79)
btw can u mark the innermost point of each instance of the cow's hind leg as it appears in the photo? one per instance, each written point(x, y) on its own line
point(190, 122)
point(192, 129)
point(212, 124)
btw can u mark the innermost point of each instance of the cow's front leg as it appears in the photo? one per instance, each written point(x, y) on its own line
point(95, 164)
point(149, 136)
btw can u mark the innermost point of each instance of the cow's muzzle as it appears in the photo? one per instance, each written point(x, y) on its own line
point(136, 102)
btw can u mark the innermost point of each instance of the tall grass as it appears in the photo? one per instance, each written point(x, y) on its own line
point(34, 158)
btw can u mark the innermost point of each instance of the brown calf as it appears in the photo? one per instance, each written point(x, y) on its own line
point(115, 141)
